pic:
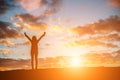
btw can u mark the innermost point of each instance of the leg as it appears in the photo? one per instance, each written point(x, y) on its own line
point(32, 60)
point(36, 60)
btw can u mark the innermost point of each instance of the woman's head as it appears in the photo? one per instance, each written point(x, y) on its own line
point(34, 38)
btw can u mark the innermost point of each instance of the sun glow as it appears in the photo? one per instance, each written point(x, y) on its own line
point(75, 62)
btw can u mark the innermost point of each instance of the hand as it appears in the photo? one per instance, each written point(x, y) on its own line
point(44, 34)
point(24, 33)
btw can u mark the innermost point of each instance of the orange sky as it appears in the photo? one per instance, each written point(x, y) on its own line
point(73, 27)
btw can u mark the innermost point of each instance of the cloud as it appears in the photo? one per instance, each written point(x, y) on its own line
point(28, 18)
point(101, 27)
point(91, 43)
point(52, 6)
point(7, 32)
point(106, 37)
point(4, 51)
point(23, 43)
point(12, 64)
point(100, 33)
point(28, 21)
point(33, 21)
point(118, 52)
point(6, 42)
point(31, 4)
point(113, 37)
point(6, 5)
point(94, 58)
point(79, 30)
point(114, 3)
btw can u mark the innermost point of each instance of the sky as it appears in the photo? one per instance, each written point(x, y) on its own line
point(72, 27)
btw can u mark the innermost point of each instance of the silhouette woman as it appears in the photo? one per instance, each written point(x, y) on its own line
point(34, 49)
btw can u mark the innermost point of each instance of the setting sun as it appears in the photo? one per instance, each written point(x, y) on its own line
point(75, 62)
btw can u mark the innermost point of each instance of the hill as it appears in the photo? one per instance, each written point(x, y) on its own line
point(85, 73)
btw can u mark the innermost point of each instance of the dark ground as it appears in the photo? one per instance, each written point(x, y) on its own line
point(88, 73)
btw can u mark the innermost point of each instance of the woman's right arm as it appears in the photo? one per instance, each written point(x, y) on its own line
point(27, 36)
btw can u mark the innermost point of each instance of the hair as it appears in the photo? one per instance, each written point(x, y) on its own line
point(34, 38)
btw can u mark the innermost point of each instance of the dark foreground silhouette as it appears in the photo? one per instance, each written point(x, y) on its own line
point(34, 49)
point(88, 73)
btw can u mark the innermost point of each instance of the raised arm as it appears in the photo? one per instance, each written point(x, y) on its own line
point(41, 36)
point(27, 36)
